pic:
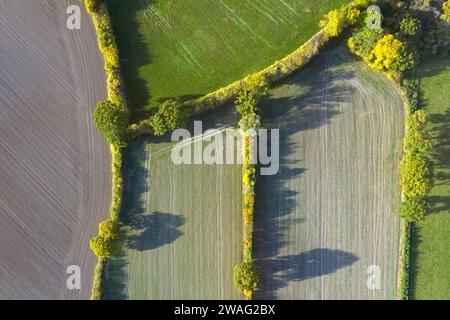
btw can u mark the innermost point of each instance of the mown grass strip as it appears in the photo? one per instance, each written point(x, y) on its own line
point(106, 42)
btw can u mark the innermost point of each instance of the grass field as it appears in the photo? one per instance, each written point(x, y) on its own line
point(183, 228)
point(190, 47)
point(431, 239)
point(330, 213)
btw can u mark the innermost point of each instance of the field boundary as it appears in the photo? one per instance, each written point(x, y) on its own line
point(279, 70)
point(100, 17)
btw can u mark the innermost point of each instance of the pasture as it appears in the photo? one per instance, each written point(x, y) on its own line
point(189, 48)
point(330, 213)
point(182, 233)
point(431, 242)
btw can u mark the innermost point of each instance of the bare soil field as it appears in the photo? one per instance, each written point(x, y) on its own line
point(330, 213)
point(55, 167)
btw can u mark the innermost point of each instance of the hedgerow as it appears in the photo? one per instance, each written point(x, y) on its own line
point(415, 167)
point(246, 274)
point(404, 261)
point(111, 117)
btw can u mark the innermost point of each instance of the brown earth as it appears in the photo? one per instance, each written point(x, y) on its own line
point(55, 167)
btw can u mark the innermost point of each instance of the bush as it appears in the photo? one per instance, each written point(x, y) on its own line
point(246, 278)
point(107, 229)
point(410, 88)
point(391, 55)
point(101, 246)
point(415, 167)
point(170, 116)
point(415, 175)
point(413, 209)
point(112, 120)
point(333, 23)
point(363, 41)
point(446, 8)
point(410, 29)
point(92, 6)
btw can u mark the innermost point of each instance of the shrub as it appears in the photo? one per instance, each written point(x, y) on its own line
point(413, 209)
point(415, 175)
point(333, 23)
point(391, 55)
point(410, 28)
point(101, 246)
point(112, 120)
point(360, 4)
point(410, 88)
point(446, 8)
point(246, 277)
point(415, 167)
point(107, 229)
point(92, 6)
point(170, 115)
point(364, 40)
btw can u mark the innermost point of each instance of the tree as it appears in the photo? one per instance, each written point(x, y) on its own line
point(410, 29)
point(246, 277)
point(112, 120)
point(170, 116)
point(364, 40)
point(391, 55)
point(107, 229)
point(101, 246)
point(333, 23)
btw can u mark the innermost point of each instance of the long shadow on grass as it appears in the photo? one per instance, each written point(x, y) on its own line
point(114, 276)
point(306, 103)
point(441, 147)
point(133, 53)
point(438, 204)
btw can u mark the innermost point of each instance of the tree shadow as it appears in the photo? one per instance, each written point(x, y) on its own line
point(153, 231)
point(279, 272)
point(441, 160)
point(416, 239)
point(133, 54)
point(307, 103)
point(114, 275)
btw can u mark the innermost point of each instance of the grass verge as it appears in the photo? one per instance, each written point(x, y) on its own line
point(430, 250)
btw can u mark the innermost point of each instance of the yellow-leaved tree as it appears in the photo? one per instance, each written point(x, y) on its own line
point(391, 55)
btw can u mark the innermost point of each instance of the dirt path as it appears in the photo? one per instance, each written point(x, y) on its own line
point(330, 213)
point(55, 172)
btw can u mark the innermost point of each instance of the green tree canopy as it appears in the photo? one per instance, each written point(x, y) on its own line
point(112, 120)
point(170, 116)
point(101, 246)
point(246, 277)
